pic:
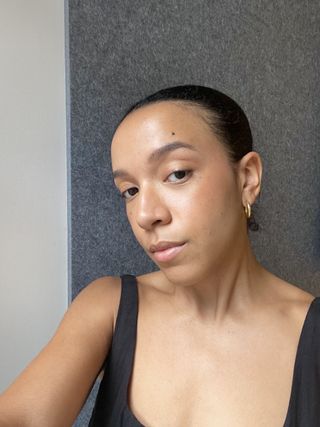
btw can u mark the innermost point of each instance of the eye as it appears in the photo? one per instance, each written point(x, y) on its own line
point(131, 191)
point(180, 175)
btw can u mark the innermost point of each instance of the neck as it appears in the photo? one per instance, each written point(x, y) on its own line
point(227, 289)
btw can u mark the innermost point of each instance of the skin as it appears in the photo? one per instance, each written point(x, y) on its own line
point(217, 334)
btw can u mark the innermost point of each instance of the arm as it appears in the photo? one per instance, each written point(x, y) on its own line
point(53, 388)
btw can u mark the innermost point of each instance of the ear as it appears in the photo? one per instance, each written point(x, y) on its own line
point(250, 172)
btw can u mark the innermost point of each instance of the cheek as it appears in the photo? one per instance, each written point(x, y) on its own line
point(210, 205)
point(205, 194)
point(137, 231)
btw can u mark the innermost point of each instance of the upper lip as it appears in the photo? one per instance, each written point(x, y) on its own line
point(161, 246)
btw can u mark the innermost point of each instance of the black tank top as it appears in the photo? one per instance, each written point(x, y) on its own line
point(111, 408)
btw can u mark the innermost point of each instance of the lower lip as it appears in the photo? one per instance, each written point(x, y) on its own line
point(168, 254)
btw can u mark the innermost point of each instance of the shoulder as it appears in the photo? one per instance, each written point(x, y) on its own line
point(99, 299)
point(102, 286)
point(287, 294)
point(291, 302)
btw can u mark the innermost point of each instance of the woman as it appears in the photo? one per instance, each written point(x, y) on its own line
point(211, 338)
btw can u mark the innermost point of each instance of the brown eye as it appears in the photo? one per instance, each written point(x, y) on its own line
point(179, 175)
point(131, 191)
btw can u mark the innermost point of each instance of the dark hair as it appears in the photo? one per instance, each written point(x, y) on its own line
point(224, 116)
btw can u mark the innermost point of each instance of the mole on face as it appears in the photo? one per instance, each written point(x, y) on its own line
point(172, 133)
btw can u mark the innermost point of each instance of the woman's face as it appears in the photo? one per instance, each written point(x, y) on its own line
point(179, 186)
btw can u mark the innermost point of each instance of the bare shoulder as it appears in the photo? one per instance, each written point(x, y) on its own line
point(100, 299)
point(301, 302)
point(293, 301)
point(295, 294)
point(102, 287)
point(94, 309)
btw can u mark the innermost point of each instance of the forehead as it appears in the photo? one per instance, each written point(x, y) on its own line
point(152, 125)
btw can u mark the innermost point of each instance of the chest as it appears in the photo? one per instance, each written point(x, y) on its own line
point(208, 379)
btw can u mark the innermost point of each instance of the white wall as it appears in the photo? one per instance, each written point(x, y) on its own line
point(33, 179)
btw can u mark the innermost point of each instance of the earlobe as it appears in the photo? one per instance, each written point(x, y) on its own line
point(250, 177)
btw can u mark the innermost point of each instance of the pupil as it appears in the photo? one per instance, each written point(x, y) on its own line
point(180, 174)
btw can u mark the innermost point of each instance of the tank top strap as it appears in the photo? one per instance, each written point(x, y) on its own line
point(124, 337)
point(309, 343)
point(304, 407)
point(126, 321)
point(111, 400)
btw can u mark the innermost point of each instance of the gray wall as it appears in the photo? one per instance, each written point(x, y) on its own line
point(265, 54)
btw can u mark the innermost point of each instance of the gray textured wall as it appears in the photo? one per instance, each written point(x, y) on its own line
point(265, 54)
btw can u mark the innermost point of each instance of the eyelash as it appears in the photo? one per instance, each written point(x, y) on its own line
point(188, 172)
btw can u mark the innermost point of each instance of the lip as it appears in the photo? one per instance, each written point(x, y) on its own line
point(163, 245)
point(166, 251)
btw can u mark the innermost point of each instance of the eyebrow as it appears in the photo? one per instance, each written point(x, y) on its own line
point(157, 154)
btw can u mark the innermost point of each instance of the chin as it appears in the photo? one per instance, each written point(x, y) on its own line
point(182, 275)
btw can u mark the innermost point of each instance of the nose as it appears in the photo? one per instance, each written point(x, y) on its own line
point(151, 209)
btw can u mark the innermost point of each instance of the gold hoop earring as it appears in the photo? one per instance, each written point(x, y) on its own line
point(247, 210)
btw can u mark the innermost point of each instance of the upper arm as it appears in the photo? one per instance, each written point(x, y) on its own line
point(54, 386)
